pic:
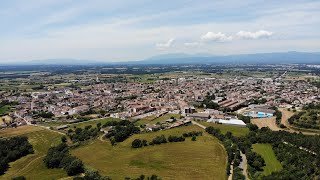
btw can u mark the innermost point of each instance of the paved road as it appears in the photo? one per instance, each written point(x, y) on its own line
point(244, 165)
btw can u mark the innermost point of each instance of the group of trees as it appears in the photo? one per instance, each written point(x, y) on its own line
point(44, 114)
point(117, 123)
point(235, 145)
point(208, 102)
point(308, 118)
point(298, 153)
point(121, 131)
point(192, 133)
point(245, 119)
point(138, 143)
point(278, 116)
point(59, 157)
point(87, 133)
point(176, 138)
point(143, 177)
point(232, 149)
point(12, 149)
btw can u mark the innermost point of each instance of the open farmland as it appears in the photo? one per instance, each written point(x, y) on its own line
point(272, 163)
point(235, 130)
point(201, 159)
point(32, 166)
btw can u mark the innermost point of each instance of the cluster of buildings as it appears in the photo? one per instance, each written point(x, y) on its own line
point(126, 100)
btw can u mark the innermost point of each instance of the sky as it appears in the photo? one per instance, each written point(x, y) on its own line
point(123, 30)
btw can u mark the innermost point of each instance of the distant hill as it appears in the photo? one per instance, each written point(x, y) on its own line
point(182, 58)
point(260, 58)
point(62, 62)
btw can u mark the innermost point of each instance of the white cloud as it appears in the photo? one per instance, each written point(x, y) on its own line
point(165, 45)
point(254, 35)
point(191, 44)
point(218, 37)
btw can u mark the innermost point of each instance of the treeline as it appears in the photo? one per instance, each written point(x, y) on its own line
point(87, 133)
point(298, 153)
point(42, 114)
point(278, 116)
point(137, 143)
point(12, 149)
point(94, 175)
point(8, 103)
point(121, 131)
point(308, 118)
point(59, 157)
point(235, 145)
point(245, 119)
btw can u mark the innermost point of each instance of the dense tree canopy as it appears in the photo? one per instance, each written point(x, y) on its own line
point(12, 149)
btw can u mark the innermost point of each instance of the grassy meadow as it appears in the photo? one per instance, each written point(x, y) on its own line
point(32, 166)
point(152, 120)
point(235, 130)
point(204, 158)
point(272, 163)
point(4, 109)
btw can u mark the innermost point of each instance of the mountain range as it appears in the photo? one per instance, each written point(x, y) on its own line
point(181, 58)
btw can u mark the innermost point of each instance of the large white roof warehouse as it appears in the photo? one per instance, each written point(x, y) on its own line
point(232, 122)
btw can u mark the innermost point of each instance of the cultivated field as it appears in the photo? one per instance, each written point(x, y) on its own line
point(266, 122)
point(235, 130)
point(272, 163)
point(201, 159)
point(32, 166)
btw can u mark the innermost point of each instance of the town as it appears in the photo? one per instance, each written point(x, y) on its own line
point(135, 111)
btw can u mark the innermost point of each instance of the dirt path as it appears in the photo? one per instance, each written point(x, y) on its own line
point(48, 128)
point(271, 123)
point(285, 116)
point(200, 125)
point(33, 160)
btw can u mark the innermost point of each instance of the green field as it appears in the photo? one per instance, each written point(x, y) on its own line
point(201, 159)
point(93, 123)
point(151, 120)
point(4, 109)
point(235, 130)
point(80, 124)
point(272, 163)
point(32, 166)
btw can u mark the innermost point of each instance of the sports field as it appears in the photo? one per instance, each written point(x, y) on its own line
point(201, 159)
point(272, 163)
point(235, 130)
point(32, 166)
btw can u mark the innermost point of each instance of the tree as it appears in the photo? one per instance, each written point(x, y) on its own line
point(137, 143)
point(194, 138)
point(64, 139)
point(75, 167)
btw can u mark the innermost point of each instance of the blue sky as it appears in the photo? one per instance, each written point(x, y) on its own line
point(118, 30)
